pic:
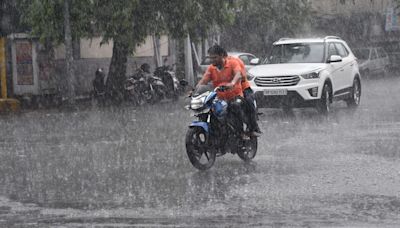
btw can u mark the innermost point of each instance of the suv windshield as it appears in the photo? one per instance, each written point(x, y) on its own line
point(361, 53)
point(297, 53)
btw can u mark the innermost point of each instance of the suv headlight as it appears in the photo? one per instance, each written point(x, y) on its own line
point(250, 76)
point(311, 75)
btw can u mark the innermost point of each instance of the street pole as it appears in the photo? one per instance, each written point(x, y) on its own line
point(3, 68)
point(188, 62)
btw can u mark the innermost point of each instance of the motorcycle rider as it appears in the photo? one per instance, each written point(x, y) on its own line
point(145, 67)
point(143, 72)
point(250, 110)
point(227, 72)
point(98, 82)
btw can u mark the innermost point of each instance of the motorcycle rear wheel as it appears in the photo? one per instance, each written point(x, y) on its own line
point(200, 155)
point(249, 149)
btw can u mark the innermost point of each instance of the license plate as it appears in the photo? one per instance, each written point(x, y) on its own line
point(275, 92)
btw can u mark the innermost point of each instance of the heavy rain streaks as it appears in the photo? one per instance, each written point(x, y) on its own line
point(94, 129)
point(82, 168)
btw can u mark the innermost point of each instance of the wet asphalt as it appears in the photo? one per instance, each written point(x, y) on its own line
point(126, 167)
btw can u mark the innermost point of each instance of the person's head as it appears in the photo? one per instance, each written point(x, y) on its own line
point(145, 67)
point(99, 72)
point(217, 54)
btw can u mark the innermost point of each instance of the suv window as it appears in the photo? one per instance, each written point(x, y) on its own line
point(250, 57)
point(362, 53)
point(381, 53)
point(206, 61)
point(245, 59)
point(373, 54)
point(297, 53)
point(341, 50)
point(332, 50)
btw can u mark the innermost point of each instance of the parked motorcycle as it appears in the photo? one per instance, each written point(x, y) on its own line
point(136, 90)
point(143, 88)
point(213, 134)
point(170, 81)
point(157, 89)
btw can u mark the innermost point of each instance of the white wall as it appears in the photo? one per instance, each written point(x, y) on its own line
point(90, 48)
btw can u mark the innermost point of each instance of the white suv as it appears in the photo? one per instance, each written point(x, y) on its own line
point(307, 73)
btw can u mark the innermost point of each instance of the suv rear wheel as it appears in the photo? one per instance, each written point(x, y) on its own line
point(323, 104)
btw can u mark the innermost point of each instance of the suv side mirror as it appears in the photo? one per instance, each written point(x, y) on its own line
point(255, 61)
point(335, 59)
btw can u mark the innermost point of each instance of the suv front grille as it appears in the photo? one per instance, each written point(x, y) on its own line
point(274, 81)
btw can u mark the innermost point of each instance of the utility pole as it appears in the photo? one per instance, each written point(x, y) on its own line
point(189, 62)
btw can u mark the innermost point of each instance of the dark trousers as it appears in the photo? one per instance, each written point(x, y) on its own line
point(236, 113)
point(250, 110)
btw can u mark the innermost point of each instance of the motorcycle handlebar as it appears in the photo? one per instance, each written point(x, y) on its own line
point(216, 89)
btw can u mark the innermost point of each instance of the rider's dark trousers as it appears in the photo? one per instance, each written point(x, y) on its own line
point(236, 109)
point(250, 110)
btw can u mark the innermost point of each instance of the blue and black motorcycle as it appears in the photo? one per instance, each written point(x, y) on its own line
point(213, 134)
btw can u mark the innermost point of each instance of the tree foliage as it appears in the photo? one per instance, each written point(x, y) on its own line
point(46, 21)
point(196, 17)
point(260, 21)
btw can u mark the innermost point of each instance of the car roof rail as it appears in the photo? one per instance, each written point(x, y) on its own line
point(332, 37)
point(284, 38)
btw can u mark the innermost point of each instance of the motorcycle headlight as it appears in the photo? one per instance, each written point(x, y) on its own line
point(196, 104)
point(311, 75)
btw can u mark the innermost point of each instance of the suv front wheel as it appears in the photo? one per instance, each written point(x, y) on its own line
point(323, 104)
point(355, 98)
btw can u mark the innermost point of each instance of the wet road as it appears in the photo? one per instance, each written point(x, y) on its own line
point(127, 167)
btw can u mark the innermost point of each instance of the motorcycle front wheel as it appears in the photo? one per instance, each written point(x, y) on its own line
point(132, 97)
point(249, 149)
point(200, 155)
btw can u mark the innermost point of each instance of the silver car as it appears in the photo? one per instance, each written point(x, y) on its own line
point(372, 60)
point(248, 59)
